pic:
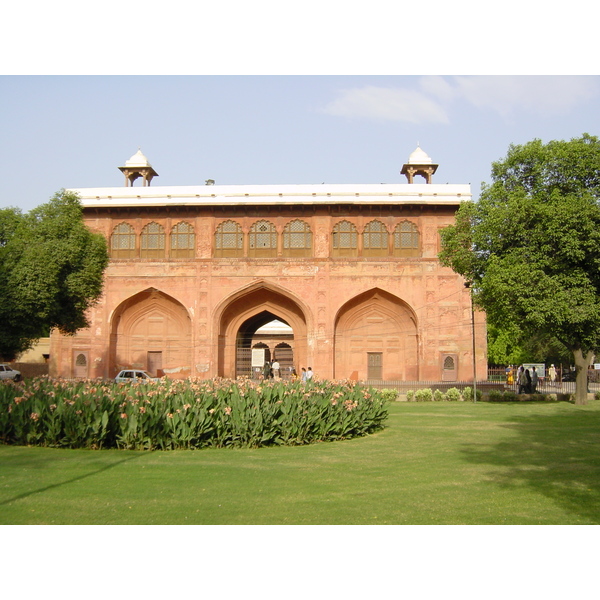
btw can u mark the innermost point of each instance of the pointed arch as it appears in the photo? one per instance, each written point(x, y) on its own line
point(376, 321)
point(151, 322)
point(242, 313)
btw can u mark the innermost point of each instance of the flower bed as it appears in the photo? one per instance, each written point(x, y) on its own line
point(173, 414)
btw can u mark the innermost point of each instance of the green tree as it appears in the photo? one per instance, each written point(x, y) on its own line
point(531, 245)
point(51, 272)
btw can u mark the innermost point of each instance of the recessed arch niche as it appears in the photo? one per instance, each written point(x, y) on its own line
point(152, 330)
point(376, 322)
point(246, 311)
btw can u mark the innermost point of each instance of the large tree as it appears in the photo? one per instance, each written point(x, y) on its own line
point(51, 272)
point(531, 245)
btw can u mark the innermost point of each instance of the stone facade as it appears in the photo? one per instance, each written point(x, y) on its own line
point(352, 269)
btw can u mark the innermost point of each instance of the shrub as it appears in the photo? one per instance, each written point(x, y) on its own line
point(410, 395)
point(438, 396)
point(185, 414)
point(424, 395)
point(389, 395)
point(453, 394)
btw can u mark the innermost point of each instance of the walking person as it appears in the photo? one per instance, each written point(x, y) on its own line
point(527, 382)
point(552, 375)
point(309, 374)
point(303, 376)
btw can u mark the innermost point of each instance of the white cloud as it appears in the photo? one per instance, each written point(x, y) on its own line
point(544, 95)
point(390, 104)
point(432, 101)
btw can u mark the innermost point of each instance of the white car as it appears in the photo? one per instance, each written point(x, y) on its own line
point(6, 372)
point(134, 376)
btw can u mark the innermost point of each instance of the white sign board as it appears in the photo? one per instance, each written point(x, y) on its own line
point(258, 357)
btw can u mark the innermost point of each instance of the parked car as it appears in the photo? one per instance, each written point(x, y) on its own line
point(7, 372)
point(134, 376)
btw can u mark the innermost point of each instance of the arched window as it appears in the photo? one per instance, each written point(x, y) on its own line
point(375, 239)
point(262, 240)
point(122, 242)
point(183, 241)
point(297, 239)
point(229, 240)
point(344, 240)
point(152, 241)
point(406, 239)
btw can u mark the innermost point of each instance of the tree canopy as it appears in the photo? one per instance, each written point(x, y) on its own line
point(51, 272)
point(531, 245)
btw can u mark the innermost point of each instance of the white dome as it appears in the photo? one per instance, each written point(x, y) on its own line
point(419, 157)
point(138, 160)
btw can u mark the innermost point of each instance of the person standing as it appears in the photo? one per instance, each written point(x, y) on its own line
point(267, 370)
point(276, 369)
point(534, 381)
point(309, 374)
point(552, 375)
point(303, 376)
point(521, 380)
point(527, 382)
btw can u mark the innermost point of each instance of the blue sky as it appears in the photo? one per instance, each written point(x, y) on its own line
point(75, 131)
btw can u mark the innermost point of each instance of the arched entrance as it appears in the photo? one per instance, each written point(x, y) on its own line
point(151, 331)
point(376, 337)
point(241, 318)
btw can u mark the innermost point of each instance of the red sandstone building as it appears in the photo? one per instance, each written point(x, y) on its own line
point(349, 273)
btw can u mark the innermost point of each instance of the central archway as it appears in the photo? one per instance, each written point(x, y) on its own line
point(245, 312)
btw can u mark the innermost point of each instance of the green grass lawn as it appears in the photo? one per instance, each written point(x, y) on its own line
point(435, 463)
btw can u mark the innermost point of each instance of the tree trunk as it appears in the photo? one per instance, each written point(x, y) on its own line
point(582, 361)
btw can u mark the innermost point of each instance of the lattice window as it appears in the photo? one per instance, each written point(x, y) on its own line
point(375, 235)
point(406, 239)
point(449, 363)
point(183, 241)
point(262, 240)
point(152, 241)
point(229, 240)
point(122, 241)
point(297, 239)
point(344, 239)
point(375, 239)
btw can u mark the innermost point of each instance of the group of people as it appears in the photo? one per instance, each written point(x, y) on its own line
point(527, 381)
point(272, 370)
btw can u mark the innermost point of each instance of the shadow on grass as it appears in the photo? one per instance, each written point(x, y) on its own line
point(68, 481)
point(554, 455)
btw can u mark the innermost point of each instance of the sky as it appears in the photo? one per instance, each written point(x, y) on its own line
point(74, 131)
point(250, 93)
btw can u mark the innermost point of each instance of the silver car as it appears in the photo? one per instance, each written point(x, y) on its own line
point(6, 372)
point(134, 376)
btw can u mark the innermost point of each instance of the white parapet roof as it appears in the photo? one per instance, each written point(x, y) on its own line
point(219, 195)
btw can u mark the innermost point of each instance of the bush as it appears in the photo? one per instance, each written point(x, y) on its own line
point(453, 394)
point(410, 395)
point(438, 396)
point(186, 414)
point(425, 395)
point(389, 395)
